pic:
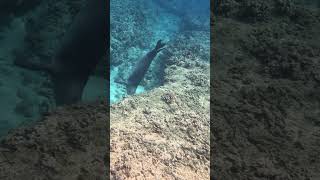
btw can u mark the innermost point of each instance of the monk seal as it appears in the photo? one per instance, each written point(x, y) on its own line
point(141, 68)
point(83, 45)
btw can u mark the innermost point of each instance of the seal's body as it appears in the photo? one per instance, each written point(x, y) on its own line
point(142, 67)
point(83, 45)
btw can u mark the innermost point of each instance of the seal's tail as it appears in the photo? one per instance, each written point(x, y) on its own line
point(159, 46)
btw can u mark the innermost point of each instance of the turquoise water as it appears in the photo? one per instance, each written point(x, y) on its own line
point(136, 26)
point(33, 35)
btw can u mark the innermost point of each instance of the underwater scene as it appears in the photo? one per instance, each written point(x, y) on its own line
point(34, 36)
point(265, 91)
point(137, 26)
point(159, 89)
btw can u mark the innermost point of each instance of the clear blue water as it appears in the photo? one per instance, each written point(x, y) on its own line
point(136, 26)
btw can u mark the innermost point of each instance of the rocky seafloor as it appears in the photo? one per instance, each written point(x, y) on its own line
point(135, 28)
point(265, 90)
point(264, 111)
point(161, 133)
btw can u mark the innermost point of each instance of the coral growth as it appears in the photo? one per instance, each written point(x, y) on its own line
point(265, 96)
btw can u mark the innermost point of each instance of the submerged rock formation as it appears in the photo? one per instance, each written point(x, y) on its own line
point(70, 143)
point(163, 133)
point(264, 113)
point(265, 92)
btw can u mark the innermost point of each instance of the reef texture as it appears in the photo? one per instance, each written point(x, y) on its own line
point(132, 35)
point(264, 111)
point(165, 133)
point(69, 143)
point(162, 134)
point(265, 92)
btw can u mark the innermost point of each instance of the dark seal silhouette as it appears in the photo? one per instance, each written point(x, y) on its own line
point(142, 67)
point(84, 44)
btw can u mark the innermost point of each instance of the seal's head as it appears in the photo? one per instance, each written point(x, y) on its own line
point(131, 89)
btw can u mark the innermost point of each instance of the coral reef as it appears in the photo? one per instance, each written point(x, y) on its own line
point(161, 133)
point(259, 11)
point(165, 132)
point(136, 29)
point(69, 143)
point(265, 110)
point(265, 96)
